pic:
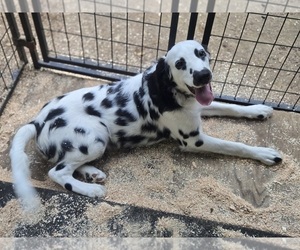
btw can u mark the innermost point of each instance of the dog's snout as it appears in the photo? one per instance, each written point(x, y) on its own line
point(202, 77)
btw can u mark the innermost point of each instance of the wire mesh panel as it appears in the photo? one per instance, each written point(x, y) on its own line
point(256, 58)
point(112, 44)
point(125, 6)
point(117, 41)
point(12, 59)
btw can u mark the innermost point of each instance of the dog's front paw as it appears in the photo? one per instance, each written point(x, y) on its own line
point(259, 111)
point(268, 156)
point(95, 190)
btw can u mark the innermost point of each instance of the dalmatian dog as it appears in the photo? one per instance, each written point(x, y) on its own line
point(165, 101)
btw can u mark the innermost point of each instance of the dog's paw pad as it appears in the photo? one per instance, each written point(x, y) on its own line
point(277, 160)
point(95, 177)
point(92, 174)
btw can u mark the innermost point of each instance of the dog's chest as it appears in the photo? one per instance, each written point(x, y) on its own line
point(135, 124)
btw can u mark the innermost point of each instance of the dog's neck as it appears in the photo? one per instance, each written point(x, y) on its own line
point(164, 92)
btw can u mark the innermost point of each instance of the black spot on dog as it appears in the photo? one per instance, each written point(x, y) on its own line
point(184, 143)
point(120, 134)
point(194, 133)
point(83, 149)
point(180, 64)
point(139, 105)
point(141, 92)
point(110, 90)
point(148, 128)
point(103, 124)
point(106, 103)
point(128, 141)
point(180, 142)
point(46, 104)
point(200, 53)
point(191, 71)
point(54, 113)
point(68, 186)
point(38, 127)
point(185, 136)
point(121, 121)
point(60, 97)
point(51, 151)
point(60, 166)
point(164, 134)
point(118, 86)
point(79, 131)
point(90, 110)
point(261, 117)
point(115, 88)
point(135, 139)
point(153, 114)
point(121, 99)
point(125, 115)
point(199, 143)
point(58, 123)
point(99, 140)
point(61, 155)
point(88, 97)
point(67, 146)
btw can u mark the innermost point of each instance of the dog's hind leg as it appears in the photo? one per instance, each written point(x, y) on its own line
point(62, 174)
point(75, 158)
point(258, 111)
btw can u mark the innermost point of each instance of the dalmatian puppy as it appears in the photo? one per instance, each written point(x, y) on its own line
point(165, 101)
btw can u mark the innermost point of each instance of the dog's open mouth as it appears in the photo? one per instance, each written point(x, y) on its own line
point(204, 94)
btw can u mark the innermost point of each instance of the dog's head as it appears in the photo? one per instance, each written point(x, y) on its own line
point(187, 64)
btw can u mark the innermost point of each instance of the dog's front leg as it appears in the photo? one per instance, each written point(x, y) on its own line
point(207, 143)
point(258, 111)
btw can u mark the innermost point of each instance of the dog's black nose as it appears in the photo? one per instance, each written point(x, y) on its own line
point(202, 77)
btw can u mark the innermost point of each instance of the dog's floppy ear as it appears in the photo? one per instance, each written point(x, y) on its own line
point(163, 71)
point(161, 85)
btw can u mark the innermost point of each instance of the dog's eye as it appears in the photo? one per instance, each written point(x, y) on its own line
point(200, 53)
point(180, 64)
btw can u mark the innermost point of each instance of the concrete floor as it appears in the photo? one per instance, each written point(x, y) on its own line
point(180, 194)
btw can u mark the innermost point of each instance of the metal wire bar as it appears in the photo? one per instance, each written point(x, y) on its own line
point(41, 35)
point(173, 29)
point(142, 43)
point(51, 33)
point(81, 37)
point(30, 42)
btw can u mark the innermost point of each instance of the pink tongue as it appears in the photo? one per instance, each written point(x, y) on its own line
point(204, 95)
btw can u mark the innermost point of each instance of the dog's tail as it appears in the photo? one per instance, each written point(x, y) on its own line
point(20, 167)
